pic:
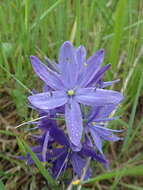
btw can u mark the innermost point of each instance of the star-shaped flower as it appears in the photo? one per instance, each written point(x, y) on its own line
point(72, 86)
point(99, 132)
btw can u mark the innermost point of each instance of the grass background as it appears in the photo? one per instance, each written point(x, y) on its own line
point(39, 27)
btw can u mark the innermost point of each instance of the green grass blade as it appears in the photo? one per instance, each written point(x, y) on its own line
point(21, 146)
point(4, 174)
point(8, 133)
point(2, 186)
point(118, 29)
point(126, 171)
point(27, 2)
point(135, 132)
point(17, 80)
point(123, 123)
point(47, 12)
point(129, 186)
point(136, 24)
point(78, 20)
point(12, 160)
point(132, 117)
point(105, 12)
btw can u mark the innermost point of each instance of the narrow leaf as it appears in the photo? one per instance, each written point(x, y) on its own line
point(126, 171)
point(2, 186)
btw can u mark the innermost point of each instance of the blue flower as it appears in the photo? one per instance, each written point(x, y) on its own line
point(71, 84)
point(60, 155)
point(97, 117)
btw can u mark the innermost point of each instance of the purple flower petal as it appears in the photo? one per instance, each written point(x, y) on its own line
point(87, 140)
point(78, 164)
point(52, 65)
point(105, 133)
point(81, 58)
point(106, 119)
point(99, 113)
point(73, 119)
point(46, 88)
point(97, 139)
point(107, 129)
point(51, 78)
point(57, 152)
point(59, 165)
point(109, 83)
point(46, 123)
point(45, 145)
point(99, 75)
point(59, 136)
point(75, 148)
point(90, 152)
point(98, 97)
point(93, 65)
point(68, 65)
point(30, 161)
point(48, 100)
point(36, 149)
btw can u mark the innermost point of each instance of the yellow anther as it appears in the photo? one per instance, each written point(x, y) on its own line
point(85, 64)
point(76, 182)
point(60, 146)
point(94, 123)
point(71, 92)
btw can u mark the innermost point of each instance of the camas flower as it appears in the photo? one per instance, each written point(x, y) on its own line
point(60, 155)
point(71, 84)
point(99, 132)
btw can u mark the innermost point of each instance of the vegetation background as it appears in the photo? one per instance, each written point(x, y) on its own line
point(39, 27)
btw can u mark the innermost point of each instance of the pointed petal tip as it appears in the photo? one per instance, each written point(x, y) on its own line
point(81, 47)
point(67, 44)
point(32, 57)
point(101, 50)
point(29, 98)
point(108, 65)
point(99, 53)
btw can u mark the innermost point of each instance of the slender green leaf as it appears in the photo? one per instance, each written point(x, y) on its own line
point(126, 171)
point(21, 146)
point(129, 186)
point(8, 133)
point(118, 29)
point(47, 12)
point(2, 186)
point(134, 134)
point(17, 80)
point(78, 21)
point(136, 24)
point(27, 2)
point(132, 117)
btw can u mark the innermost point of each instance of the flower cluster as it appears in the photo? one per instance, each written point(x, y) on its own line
point(74, 92)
